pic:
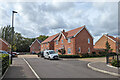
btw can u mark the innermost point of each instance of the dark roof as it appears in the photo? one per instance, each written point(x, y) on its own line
point(39, 40)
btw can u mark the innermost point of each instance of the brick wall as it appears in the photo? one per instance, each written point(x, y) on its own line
point(101, 43)
point(81, 40)
point(36, 47)
point(4, 46)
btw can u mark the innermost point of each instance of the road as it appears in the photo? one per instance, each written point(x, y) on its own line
point(63, 69)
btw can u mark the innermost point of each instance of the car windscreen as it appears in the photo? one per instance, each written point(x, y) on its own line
point(52, 52)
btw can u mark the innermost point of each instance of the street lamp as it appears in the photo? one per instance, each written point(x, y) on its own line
point(12, 33)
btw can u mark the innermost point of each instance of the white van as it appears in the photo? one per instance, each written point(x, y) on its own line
point(50, 54)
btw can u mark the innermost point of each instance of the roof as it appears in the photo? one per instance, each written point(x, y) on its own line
point(39, 41)
point(71, 33)
point(5, 41)
point(50, 38)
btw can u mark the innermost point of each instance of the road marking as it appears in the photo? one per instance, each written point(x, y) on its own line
point(96, 69)
point(32, 69)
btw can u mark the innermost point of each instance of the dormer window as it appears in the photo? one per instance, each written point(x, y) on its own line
point(69, 40)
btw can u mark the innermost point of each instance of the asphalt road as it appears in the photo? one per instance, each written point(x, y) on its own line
point(64, 69)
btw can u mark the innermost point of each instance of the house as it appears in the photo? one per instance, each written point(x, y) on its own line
point(35, 47)
point(77, 41)
point(4, 45)
point(48, 43)
point(101, 43)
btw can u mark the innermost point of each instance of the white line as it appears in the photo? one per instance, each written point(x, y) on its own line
point(111, 73)
point(32, 69)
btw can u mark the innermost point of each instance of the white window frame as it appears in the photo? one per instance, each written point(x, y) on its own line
point(79, 50)
point(62, 41)
point(69, 40)
point(56, 50)
point(68, 50)
point(56, 42)
point(88, 40)
point(88, 50)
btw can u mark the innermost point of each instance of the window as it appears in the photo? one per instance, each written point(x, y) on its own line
point(42, 45)
point(69, 40)
point(33, 47)
point(56, 50)
point(69, 50)
point(56, 42)
point(62, 41)
point(88, 40)
point(79, 50)
point(88, 50)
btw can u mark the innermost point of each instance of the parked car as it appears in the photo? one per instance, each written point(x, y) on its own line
point(50, 54)
point(14, 54)
point(4, 52)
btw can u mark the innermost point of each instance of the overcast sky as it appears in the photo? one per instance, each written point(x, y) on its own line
point(48, 18)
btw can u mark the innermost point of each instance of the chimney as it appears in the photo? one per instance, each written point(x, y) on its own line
point(63, 31)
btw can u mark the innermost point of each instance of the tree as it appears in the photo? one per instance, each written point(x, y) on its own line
point(42, 37)
point(108, 48)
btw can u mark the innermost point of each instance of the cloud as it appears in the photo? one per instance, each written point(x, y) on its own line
point(48, 18)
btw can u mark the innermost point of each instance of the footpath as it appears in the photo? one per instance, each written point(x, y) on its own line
point(19, 69)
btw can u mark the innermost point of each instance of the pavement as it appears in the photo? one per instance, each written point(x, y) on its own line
point(32, 67)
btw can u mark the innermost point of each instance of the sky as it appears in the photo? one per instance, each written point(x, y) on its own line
point(48, 18)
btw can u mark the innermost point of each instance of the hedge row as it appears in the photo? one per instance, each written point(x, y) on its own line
point(86, 55)
point(5, 62)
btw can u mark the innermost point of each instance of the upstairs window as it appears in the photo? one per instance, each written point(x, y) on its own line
point(88, 40)
point(62, 41)
point(69, 40)
point(56, 42)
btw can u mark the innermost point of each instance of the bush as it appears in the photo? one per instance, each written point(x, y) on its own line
point(69, 56)
point(115, 63)
point(5, 62)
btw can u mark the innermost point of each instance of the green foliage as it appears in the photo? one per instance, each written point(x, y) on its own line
point(115, 63)
point(42, 37)
point(5, 62)
point(62, 51)
point(107, 46)
point(20, 44)
point(69, 56)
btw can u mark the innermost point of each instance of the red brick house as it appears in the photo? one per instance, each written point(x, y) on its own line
point(35, 46)
point(4, 45)
point(101, 43)
point(48, 43)
point(76, 41)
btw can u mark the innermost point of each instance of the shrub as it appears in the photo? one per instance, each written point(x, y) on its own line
point(115, 63)
point(5, 62)
point(69, 56)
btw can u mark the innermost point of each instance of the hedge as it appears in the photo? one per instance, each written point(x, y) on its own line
point(115, 63)
point(69, 56)
point(5, 62)
point(85, 55)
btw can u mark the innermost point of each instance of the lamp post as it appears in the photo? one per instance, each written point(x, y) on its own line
point(12, 33)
